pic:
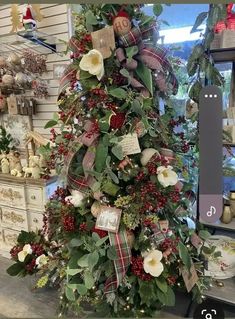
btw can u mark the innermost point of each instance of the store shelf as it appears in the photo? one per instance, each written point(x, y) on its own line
point(225, 293)
point(223, 55)
point(220, 225)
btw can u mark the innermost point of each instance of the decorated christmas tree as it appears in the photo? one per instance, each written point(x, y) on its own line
point(116, 232)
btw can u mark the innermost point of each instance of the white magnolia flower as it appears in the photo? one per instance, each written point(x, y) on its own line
point(166, 176)
point(41, 260)
point(76, 198)
point(152, 263)
point(93, 63)
point(27, 250)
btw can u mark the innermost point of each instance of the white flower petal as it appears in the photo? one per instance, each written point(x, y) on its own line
point(27, 248)
point(21, 256)
point(152, 263)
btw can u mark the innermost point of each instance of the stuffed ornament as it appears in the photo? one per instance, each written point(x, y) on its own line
point(13, 58)
point(8, 79)
point(121, 23)
point(28, 19)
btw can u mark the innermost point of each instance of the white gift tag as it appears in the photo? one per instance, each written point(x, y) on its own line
point(109, 219)
point(130, 144)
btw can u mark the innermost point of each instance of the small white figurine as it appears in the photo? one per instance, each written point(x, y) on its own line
point(5, 165)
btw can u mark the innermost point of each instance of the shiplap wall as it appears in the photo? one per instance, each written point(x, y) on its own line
point(54, 23)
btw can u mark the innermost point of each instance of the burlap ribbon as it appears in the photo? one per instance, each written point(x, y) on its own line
point(121, 263)
point(155, 58)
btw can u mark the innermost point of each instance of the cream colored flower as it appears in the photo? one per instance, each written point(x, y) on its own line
point(76, 198)
point(166, 176)
point(27, 250)
point(41, 260)
point(93, 63)
point(152, 263)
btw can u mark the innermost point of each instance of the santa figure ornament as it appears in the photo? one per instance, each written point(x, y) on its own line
point(121, 23)
point(28, 19)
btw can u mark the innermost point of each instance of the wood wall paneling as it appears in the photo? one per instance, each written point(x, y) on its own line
point(55, 23)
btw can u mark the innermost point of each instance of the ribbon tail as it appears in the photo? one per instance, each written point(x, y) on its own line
point(121, 263)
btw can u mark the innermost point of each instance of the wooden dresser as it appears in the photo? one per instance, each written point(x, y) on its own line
point(22, 202)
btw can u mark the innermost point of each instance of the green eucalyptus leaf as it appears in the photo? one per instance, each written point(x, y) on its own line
point(101, 241)
point(110, 188)
point(15, 269)
point(93, 259)
point(195, 91)
point(100, 156)
point(88, 280)
point(204, 234)
point(136, 107)
point(83, 261)
point(157, 9)
point(75, 242)
point(200, 18)
point(145, 75)
point(167, 298)
point(73, 272)
point(69, 294)
point(104, 122)
point(131, 51)
point(117, 151)
point(162, 284)
point(119, 93)
point(184, 255)
point(81, 289)
point(111, 253)
point(50, 124)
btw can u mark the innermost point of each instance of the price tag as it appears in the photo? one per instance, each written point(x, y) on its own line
point(130, 144)
point(190, 278)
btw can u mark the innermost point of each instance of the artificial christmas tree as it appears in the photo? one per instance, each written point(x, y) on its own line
point(117, 234)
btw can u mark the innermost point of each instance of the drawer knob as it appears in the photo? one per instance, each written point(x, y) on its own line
point(35, 220)
point(33, 197)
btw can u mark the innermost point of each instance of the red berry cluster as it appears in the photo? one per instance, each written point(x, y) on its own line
point(14, 251)
point(37, 249)
point(111, 106)
point(118, 79)
point(30, 266)
point(174, 122)
point(137, 268)
point(59, 194)
point(83, 227)
point(171, 280)
point(151, 197)
point(69, 223)
point(140, 176)
point(82, 45)
point(94, 129)
point(97, 96)
point(148, 223)
point(175, 196)
point(117, 120)
point(100, 232)
point(170, 243)
point(53, 135)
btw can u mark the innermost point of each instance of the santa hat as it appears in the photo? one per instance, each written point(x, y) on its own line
point(122, 13)
point(28, 15)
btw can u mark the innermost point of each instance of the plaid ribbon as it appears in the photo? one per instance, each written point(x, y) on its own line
point(121, 264)
point(154, 58)
point(88, 139)
point(68, 76)
point(136, 34)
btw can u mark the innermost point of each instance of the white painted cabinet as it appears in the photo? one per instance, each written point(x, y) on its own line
point(22, 202)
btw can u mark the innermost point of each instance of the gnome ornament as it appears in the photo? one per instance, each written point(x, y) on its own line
point(28, 19)
point(121, 23)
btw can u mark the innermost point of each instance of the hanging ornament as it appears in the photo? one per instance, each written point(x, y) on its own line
point(8, 79)
point(21, 78)
point(13, 58)
point(2, 61)
point(29, 18)
point(121, 23)
point(147, 154)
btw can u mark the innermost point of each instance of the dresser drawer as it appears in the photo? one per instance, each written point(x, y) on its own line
point(14, 218)
point(35, 197)
point(35, 221)
point(10, 237)
point(13, 196)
